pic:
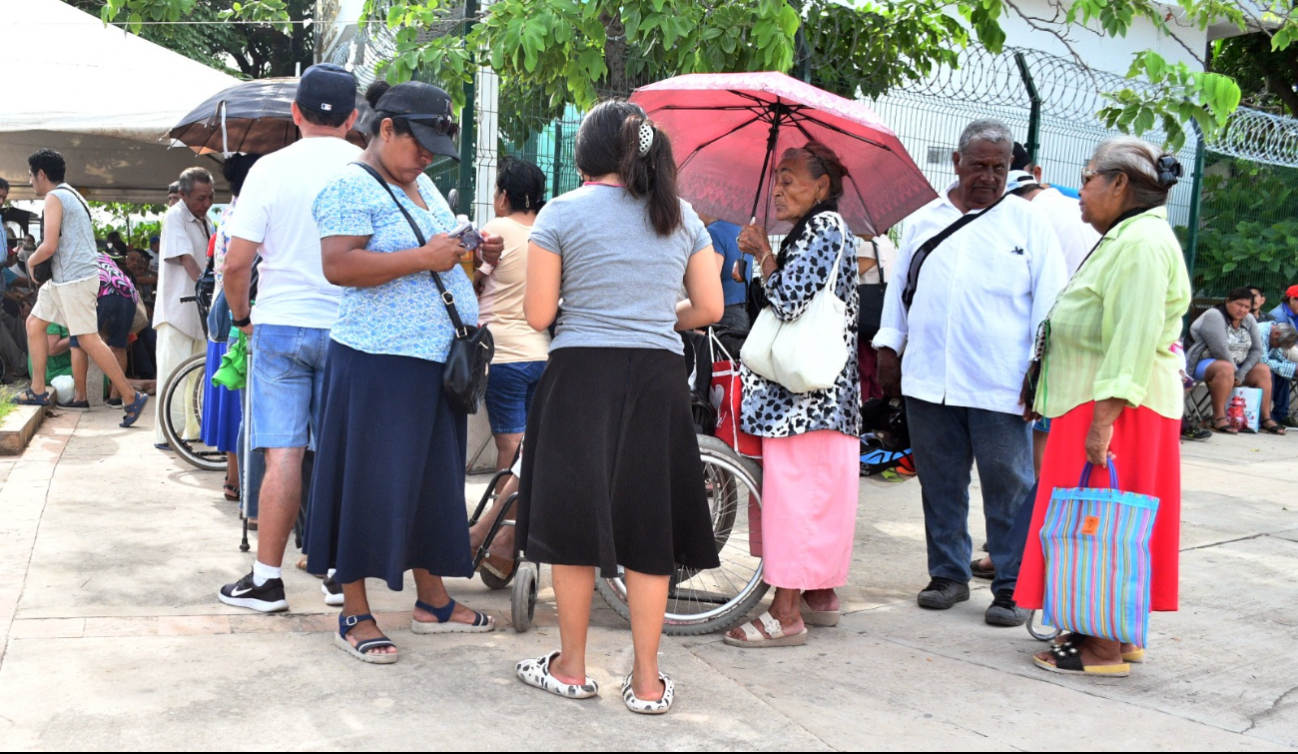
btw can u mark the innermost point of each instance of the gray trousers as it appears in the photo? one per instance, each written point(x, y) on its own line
point(13, 346)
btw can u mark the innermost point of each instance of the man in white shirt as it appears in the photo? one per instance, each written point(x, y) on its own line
point(966, 337)
point(295, 309)
point(1064, 213)
point(185, 232)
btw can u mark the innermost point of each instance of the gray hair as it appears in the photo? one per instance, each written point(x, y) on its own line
point(988, 130)
point(1285, 336)
point(192, 176)
point(1138, 159)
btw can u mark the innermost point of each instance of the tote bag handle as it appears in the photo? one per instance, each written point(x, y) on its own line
point(1089, 467)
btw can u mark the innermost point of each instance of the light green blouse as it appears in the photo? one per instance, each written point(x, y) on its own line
point(1112, 328)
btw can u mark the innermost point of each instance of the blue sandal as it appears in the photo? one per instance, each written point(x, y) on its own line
point(481, 623)
point(28, 398)
point(135, 409)
point(361, 651)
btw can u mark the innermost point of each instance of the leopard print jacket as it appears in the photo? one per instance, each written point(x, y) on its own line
point(771, 410)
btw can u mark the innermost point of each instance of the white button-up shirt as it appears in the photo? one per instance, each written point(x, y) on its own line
point(182, 235)
point(968, 336)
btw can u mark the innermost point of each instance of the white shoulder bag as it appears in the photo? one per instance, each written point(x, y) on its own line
point(808, 353)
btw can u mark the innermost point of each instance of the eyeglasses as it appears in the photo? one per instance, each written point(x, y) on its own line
point(439, 123)
point(1087, 175)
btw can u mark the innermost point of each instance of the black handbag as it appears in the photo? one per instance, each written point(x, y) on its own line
point(870, 314)
point(464, 376)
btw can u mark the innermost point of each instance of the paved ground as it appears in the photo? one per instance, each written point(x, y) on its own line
point(110, 553)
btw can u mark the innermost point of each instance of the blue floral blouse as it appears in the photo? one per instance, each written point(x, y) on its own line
point(404, 317)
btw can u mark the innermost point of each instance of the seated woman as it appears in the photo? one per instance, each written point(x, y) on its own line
point(1279, 337)
point(1226, 352)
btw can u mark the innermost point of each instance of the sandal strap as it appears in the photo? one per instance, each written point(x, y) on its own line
point(772, 626)
point(365, 646)
point(1068, 659)
point(347, 622)
point(442, 614)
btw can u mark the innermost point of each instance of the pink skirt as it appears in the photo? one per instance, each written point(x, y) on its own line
point(810, 485)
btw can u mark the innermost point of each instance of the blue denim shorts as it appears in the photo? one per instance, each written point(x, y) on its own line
point(116, 314)
point(510, 388)
point(1042, 425)
point(287, 382)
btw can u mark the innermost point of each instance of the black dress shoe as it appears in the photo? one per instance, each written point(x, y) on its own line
point(982, 573)
point(941, 594)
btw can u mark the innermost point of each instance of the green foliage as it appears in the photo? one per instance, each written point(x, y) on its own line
point(1184, 96)
point(257, 51)
point(128, 219)
point(1266, 69)
point(1248, 228)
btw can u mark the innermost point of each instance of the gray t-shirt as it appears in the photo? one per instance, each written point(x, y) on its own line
point(75, 259)
point(621, 280)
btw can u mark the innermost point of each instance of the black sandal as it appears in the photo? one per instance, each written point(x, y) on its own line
point(1222, 424)
point(1068, 660)
point(28, 398)
point(1272, 426)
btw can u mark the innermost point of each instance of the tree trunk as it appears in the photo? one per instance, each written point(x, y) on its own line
point(615, 48)
point(1282, 86)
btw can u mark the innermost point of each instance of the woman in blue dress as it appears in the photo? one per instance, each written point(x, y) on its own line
point(387, 495)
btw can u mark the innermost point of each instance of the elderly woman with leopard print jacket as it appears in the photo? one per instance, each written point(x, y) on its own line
point(810, 445)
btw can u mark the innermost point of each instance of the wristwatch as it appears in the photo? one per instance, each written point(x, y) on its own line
point(242, 323)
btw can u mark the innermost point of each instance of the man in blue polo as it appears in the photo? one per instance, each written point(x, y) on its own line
point(735, 272)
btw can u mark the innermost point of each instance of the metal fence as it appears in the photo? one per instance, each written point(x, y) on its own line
point(1245, 231)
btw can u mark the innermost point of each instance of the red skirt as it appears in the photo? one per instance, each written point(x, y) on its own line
point(1147, 453)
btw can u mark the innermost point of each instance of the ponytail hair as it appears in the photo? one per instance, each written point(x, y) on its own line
point(617, 137)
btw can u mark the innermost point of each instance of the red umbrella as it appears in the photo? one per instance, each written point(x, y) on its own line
point(729, 129)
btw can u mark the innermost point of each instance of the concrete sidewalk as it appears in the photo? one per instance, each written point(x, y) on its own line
point(111, 553)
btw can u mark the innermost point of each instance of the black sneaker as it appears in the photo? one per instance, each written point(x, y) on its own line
point(333, 591)
point(113, 402)
point(267, 598)
point(1004, 612)
point(941, 594)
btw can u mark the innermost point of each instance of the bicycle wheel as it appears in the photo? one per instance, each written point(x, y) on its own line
point(714, 599)
point(182, 415)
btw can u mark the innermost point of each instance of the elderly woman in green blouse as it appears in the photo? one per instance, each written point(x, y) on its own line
point(1110, 381)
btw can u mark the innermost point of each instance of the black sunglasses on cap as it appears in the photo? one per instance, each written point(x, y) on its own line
point(439, 123)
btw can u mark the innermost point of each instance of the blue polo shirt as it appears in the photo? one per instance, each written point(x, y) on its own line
point(725, 241)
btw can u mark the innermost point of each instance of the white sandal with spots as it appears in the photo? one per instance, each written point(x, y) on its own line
point(644, 707)
point(537, 673)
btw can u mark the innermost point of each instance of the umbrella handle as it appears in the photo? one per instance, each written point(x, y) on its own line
point(225, 135)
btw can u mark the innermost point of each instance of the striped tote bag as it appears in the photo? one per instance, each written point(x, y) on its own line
point(1096, 547)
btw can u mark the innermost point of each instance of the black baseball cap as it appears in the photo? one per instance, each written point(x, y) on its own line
point(327, 88)
point(427, 110)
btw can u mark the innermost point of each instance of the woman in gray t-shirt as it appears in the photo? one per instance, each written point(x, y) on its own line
point(611, 471)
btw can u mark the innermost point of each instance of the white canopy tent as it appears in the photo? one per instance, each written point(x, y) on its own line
point(102, 97)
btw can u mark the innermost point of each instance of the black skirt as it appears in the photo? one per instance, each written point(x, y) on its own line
point(387, 495)
point(611, 467)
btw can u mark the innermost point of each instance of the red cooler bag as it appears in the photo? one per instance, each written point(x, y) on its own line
point(727, 398)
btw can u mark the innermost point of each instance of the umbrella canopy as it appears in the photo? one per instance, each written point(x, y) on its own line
point(255, 117)
point(728, 131)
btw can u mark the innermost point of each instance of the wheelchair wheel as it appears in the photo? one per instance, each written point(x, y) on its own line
point(522, 602)
point(714, 599)
point(1041, 634)
point(182, 415)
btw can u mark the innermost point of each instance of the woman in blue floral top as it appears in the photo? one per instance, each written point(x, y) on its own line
point(388, 492)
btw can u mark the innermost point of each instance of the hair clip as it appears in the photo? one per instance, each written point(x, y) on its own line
point(646, 136)
point(1169, 171)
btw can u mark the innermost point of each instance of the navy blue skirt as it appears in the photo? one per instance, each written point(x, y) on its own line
point(387, 495)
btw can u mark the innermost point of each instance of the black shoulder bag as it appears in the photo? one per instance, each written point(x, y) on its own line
point(870, 313)
point(464, 379)
point(44, 272)
point(921, 255)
